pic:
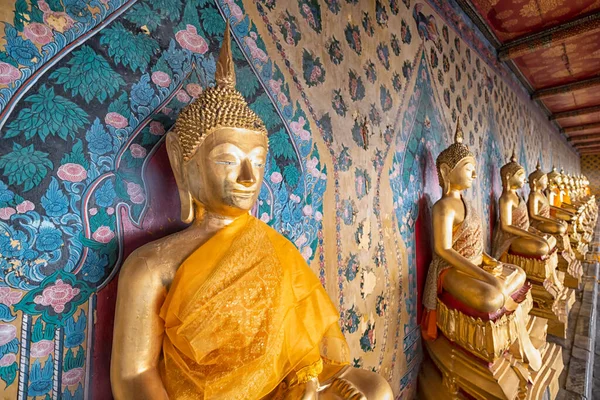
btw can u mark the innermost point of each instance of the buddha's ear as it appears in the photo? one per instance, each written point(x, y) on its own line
point(445, 173)
point(176, 161)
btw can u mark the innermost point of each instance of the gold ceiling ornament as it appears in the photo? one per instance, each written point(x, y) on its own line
point(221, 106)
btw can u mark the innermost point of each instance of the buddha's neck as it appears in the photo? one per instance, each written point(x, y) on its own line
point(209, 221)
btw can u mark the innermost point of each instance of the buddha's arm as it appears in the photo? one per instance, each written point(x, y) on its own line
point(443, 220)
point(506, 220)
point(138, 333)
point(532, 205)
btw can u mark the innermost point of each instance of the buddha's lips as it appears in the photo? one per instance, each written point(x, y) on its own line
point(243, 193)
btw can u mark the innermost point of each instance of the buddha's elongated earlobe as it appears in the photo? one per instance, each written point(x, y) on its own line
point(176, 160)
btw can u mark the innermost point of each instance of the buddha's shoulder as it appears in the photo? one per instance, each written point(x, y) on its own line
point(157, 259)
point(446, 204)
point(281, 243)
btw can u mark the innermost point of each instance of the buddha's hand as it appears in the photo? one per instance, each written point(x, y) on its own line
point(303, 391)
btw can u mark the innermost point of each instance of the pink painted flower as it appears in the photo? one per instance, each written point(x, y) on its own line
point(318, 216)
point(166, 110)
point(57, 296)
point(189, 39)
point(265, 217)
point(8, 359)
point(7, 333)
point(72, 376)
point(283, 99)
point(276, 177)
point(59, 21)
point(161, 79)
point(9, 297)
point(8, 73)
point(103, 234)
point(42, 348)
point(25, 206)
point(307, 253)
point(71, 172)
point(93, 211)
point(110, 210)
point(182, 96)
point(156, 128)
point(275, 85)
point(6, 212)
point(194, 89)
point(38, 33)
point(137, 151)
point(236, 11)
point(116, 120)
point(135, 192)
point(307, 210)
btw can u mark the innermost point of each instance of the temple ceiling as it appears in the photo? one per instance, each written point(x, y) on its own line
point(553, 47)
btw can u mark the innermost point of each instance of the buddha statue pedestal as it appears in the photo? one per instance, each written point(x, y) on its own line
point(551, 299)
point(568, 263)
point(474, 358)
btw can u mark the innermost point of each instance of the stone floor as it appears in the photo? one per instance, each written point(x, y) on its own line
point(581, 350)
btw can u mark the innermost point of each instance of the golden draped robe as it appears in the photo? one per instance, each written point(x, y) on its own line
point(243, 313)
point(502, 240)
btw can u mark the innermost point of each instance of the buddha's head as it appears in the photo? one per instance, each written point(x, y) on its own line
point(538, 180)
point(456, 165)
point(218, 148)
point(513, 174)
point(554, 178)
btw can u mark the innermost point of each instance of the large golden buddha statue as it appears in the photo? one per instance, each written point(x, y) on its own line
point(476, 321)
point(227, 308)
point(513, 230)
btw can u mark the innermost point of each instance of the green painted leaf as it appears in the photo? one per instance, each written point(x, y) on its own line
point(212, 22)
point(76, 155)
point(280, 146)
point(142, 14)
point(266, 111)
point(89, 76)
point(9, 373)
point(49, 114)
point(42, 331)
point(291, 175)
point(246, 82)
point(168, 8)
point(25, 166)
point(74, 361)
point(21, 9)
point(127, 48)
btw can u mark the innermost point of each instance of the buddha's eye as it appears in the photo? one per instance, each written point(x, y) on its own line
point(259, 164)
point(225, 162)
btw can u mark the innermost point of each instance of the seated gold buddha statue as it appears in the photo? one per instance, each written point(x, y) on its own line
point(227, 308)
point(554, 196)
point(512, 232)
point(539, 206)
point(460, 265)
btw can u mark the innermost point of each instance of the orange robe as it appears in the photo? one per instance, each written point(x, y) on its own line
point(243, 313)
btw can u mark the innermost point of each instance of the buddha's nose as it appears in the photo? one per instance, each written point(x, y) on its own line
point(246, 176)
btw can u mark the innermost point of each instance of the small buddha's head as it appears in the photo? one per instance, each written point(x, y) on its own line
point(538, 180)
point(218, 148)
point(513, 174)
point(456, 165)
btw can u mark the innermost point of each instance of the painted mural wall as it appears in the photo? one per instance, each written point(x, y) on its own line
point(590, 167)
point(359, 97)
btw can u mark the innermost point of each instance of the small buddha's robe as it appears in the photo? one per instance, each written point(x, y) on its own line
point(467, 240)
point(243, 313)
point(502, 240)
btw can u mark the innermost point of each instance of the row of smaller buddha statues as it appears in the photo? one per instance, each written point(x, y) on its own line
point(487, 317)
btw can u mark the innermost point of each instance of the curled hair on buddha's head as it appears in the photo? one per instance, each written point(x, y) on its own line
point(536, 175)
point(510, 169)
point(451, 156)
point(221, 106)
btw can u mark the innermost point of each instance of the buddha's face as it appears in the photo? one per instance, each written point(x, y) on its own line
point(461, 177)
point(226, 173)
point(542, 183)
point(518, 179)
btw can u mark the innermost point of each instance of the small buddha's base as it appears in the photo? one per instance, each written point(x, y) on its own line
point(568, 263)
point(452, 373)
point(538, 270)
point(553, 307)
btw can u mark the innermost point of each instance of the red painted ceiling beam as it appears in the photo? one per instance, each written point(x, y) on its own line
point(575, 113)
point(568, 88)
point(547, 38)
point(580, 128)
